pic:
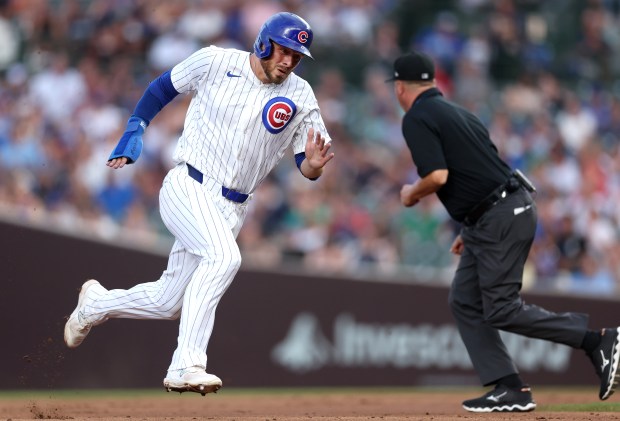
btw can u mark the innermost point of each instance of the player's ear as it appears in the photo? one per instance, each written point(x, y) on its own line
point(263, 48)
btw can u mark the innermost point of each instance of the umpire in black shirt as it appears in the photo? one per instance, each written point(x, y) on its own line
point(457, 160)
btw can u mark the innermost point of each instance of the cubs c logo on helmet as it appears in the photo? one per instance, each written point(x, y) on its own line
point(277, 113)
point(302, 37)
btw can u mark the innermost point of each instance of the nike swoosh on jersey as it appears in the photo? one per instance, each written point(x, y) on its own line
point(229, 74)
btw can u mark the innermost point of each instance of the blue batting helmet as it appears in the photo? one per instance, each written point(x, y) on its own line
point(286, 29)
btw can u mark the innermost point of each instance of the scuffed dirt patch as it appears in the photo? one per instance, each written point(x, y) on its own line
point(288, 405)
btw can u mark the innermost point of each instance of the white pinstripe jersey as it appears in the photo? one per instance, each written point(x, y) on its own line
point(238, 128)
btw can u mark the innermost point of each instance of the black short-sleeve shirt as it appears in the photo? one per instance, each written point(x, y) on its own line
point(443, 135)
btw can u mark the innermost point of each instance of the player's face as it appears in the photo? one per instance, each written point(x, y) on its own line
point(280, 63)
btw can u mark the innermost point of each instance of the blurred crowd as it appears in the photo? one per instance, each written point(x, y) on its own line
point(542, 75)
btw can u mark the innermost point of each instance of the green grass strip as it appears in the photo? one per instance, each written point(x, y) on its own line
point(582, 407)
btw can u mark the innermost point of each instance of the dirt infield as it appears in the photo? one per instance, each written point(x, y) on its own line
point(285, 405)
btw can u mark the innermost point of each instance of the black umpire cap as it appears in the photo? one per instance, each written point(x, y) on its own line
point(414, 66)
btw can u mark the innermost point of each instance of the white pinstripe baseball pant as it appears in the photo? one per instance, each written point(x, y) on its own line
point(202, 263)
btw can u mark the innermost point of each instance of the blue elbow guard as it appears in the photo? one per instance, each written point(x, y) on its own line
point(130, 144)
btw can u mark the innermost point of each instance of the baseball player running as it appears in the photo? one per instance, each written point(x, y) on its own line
point(246, 110)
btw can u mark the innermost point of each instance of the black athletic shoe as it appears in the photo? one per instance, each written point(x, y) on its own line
point(605, 359)
point(502, 399)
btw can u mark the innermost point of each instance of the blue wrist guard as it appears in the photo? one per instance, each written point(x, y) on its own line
point(130, 144)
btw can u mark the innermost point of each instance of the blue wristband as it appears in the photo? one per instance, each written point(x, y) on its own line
point(130, 144)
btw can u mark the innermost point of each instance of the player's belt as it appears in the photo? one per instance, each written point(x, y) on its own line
point(498, 195)
point(229, 194)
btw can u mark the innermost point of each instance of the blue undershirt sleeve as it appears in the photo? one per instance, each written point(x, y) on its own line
point(158, 94)
point(299, 158)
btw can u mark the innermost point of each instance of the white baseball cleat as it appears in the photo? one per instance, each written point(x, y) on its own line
point(78, 326)
point(192, 379)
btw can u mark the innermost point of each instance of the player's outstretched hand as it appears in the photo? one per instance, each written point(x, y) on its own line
point(130, 145)
point(317, 150)
point(117, 163)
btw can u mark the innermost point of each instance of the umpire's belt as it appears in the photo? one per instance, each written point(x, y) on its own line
point(496, 196)
point(229, 194)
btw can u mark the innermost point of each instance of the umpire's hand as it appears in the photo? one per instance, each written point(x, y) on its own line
point(457, 245)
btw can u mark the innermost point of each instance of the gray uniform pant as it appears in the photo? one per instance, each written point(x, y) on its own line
point(485, 294)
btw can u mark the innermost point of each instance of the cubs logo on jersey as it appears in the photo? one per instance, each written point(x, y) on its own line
point(277, 113)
